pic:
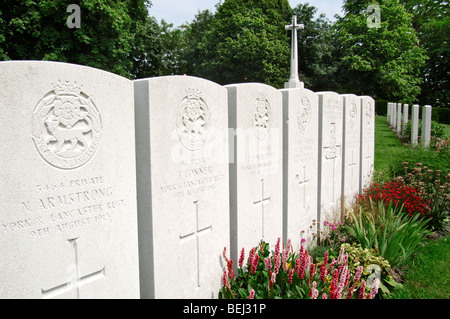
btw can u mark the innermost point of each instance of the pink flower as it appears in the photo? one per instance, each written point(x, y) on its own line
point(358, 273)
point(224, 278)
point(277, 263)
point(290, 275)
point(252, 294)
point(268, 263)
point(273, 278)
point(375, 286)
point(241, 258)
point(254, 264)
point(334, 283)
point(303, 240)
point(324, 296)
point(341, 254)
point(277, 247)
point(314, 293)
point(362, 290)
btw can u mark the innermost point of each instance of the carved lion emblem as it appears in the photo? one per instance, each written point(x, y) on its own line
point(66, 126)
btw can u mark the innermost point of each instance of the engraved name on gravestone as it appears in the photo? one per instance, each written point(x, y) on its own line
point(255, 115)
point(367, 157)
point(352, 147)
point(300, 132)
point(183, 202)
point(68, 211)
point(330, 154)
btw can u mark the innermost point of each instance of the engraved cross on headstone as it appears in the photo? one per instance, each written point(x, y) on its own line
point(195, 235)
point(352, 166)
point(303, 182)
point(77, 281)
point(332, 152)
point(262, 202)
point(294, 81)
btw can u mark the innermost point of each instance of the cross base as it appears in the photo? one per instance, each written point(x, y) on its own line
point(294, 85)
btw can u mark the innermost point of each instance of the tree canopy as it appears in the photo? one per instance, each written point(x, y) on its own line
point(404, 58)
point(110, 33)
point(383, 61)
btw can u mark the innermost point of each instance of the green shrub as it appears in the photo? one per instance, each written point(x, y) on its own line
point(393, 235)
point(282, 274)
point(434, 187)
point(359, 256)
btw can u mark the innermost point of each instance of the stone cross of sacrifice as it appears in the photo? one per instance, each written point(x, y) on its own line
point(294, 81)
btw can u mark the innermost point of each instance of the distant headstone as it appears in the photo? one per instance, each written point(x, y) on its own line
point(389, 110)
point(183, 202)
point(415, 125)
point(398, 117)
point(300, 120)
point(351, 148)
point(331, 112)
point(405, 114)
point(67, 183)
point(255, 115)
point(367, 140)
point(426, 125)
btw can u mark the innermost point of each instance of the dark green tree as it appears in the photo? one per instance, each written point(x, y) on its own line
point(192, 55)
point(247, 43)
point(109, 34)
point(384, 61)
point(317, 49)
point(431, 19)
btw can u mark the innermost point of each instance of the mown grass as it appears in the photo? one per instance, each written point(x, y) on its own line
point(388, 147)
point(390, 153)
point(428, 276)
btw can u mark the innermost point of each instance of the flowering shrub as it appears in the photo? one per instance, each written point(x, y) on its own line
point(373, 265)
point(399, 194)
point(439, 144)
point(286, 275)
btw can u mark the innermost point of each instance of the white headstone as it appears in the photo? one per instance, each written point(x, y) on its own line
point(389, 108)
point(352, 148)
point(255, 113)
point(183, 202)
point(331, 112)
point(405, 114)
point(300, 143)
point(426, 125)
point(415, 125)
point(67, 183)
point(367, 140)
point(398, 117)
point(394, 116)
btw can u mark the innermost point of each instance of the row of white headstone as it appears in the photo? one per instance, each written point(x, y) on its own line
point(398, 117)
point(112, 188)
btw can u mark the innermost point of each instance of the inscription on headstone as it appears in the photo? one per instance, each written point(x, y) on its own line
point(68, 211)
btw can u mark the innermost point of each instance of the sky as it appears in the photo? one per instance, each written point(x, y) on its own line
point(181, 11)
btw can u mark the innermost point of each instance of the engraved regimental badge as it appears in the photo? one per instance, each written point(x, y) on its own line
point(262, 117)
point(353, 114)
point(369, 113)
point(66, 126)
point(193, 121)
point(304, 115)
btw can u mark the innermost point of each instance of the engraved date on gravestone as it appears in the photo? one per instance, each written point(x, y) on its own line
point(63, 206)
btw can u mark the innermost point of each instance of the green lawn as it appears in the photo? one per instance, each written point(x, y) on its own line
point(390, 153)
point(388, 147)
point(428, 276)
